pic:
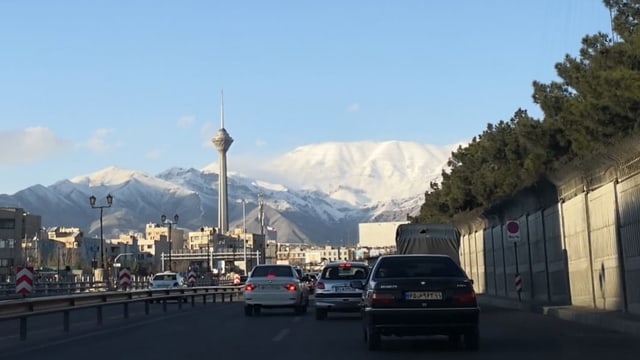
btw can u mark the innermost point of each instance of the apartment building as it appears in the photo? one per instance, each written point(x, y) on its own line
point(18, 228)
point(157, 232)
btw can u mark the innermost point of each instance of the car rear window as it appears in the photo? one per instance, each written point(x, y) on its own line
point(264, 271)
point(164, 277)
point(418, 266)
point(344, 272)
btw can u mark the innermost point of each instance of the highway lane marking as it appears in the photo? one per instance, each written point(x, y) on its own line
point(281, 335)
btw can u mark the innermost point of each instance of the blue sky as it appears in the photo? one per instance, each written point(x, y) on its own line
point(85, 85)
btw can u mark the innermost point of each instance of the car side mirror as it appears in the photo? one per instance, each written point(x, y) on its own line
point(471, 281)
point(357, 284)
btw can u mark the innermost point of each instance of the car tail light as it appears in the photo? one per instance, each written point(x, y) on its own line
point(468, 298)
point(249, 287)
point(271, 276)
point(345, 265)
point(320, 285)
point(291, 287)
point(382, 298)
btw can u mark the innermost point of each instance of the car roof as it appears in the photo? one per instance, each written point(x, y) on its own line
point(337, 263)
point(283, 265)
point(414, 255)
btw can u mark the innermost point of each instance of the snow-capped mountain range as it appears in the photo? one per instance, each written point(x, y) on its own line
point(321, 193)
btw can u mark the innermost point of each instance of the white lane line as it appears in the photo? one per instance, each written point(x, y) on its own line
point(281, 335)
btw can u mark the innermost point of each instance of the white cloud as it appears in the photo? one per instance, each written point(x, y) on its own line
point(353, 107)
point(185, 121)
point(97, 143)
point(260, 143)
point(30, 144)
point(207, 132)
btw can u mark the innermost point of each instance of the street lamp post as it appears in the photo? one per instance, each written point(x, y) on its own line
point(244, 235)
point(92, 202)
point(94, 250)
point(163, 218)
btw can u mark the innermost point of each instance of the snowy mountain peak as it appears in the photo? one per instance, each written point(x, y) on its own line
point(367, 166)
point(310, 194)
point(111, 175)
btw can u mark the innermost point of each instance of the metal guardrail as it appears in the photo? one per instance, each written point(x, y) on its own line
point(53, 288)
point(22, 309)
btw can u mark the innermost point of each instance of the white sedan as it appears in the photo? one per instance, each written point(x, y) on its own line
point(274, 286)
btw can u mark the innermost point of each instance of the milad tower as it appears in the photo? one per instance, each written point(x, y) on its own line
point(223, 142)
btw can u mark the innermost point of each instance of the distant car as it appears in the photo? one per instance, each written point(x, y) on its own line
point(411, 295)
point(274, 286)
point(168, 280)
point(334, 292)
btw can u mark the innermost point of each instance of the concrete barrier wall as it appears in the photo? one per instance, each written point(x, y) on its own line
point(605, 262)
point(583, 251)
point(628, 200)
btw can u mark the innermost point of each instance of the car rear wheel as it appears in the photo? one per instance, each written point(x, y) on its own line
point(321, 314)
point(472, 339)
point(373, 339)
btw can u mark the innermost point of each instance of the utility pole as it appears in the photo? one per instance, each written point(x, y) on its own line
point(244, 235)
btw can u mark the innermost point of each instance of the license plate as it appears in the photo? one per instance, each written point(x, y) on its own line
point(270, 287)
point(342, 289)
point(423, 295)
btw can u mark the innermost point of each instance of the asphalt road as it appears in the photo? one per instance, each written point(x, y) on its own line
point(221, 331)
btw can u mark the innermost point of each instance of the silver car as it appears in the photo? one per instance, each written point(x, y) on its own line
point(274, 286)
point(333, 288)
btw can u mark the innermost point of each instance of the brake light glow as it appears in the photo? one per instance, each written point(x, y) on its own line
point(466, 298)
point(345, 265)
point(382, 298)
point(249, 287)
point(320, 285)
point(291, 287)
point(271, 276)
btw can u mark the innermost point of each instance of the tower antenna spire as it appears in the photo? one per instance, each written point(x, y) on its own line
point(222, 142)
point(222, 109)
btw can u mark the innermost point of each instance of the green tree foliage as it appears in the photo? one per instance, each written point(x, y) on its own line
point(596, 103)
point(598, 100)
